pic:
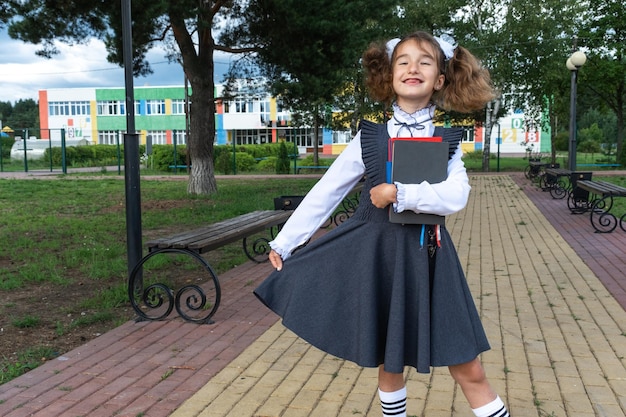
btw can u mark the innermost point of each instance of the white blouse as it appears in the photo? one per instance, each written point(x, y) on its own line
point(443, 198)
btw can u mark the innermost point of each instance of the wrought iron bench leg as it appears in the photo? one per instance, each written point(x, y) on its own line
point(259, 249)
point(156, 300)
point(602, 220)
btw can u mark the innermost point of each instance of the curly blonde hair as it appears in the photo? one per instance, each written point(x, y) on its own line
point(467, 86)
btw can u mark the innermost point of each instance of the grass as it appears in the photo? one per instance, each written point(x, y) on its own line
point(67, 233)
point(26, 360)
point(54, 231)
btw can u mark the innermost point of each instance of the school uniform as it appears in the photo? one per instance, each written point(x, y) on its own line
point(371, 291)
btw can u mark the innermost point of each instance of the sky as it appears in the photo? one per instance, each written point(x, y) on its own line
point(23, 74)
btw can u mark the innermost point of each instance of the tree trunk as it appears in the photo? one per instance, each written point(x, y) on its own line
point(198, 66)
point(554, 127)
point(200, 141)
point(487, 140)
point(492, 111)
point(620, 154)
point(316, 131)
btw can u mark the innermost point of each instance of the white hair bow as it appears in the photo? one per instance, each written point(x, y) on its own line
point(446, 47)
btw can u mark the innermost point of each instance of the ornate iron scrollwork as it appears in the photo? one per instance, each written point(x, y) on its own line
point(258, 251)
point(156, 300)
point(601, 219)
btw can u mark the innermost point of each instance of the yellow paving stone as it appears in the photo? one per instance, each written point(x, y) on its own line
point(326, 408)
point(557, 334)
point(318, 382)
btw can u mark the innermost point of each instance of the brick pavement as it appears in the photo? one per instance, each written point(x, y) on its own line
point(558, 340)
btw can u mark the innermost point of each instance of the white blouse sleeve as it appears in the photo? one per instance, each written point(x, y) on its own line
point(444, 198)
point(321, 200)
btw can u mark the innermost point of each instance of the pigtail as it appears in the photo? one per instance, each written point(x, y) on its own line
point(468, 85)
point(378, 73)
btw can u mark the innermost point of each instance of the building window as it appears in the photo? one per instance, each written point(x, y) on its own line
point(158, 137)
point(302, 137)
point(242, 106)
point(468, 134)
point(111, 108)
point(155, 107)
point(69, 108)
point(109, 137)
point(178, 106)
point(252, 136)
point(80, 108)
point(179, 137)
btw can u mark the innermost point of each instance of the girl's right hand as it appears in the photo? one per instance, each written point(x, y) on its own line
point(276, 260)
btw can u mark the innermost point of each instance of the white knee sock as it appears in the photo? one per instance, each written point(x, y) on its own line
point(495, 408)
point(393, 403)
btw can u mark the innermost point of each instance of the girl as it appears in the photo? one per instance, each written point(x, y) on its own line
point(379, 293)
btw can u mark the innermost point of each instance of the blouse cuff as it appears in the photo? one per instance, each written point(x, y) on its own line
point(407, 196)
point(283, 253)
point(400, 205)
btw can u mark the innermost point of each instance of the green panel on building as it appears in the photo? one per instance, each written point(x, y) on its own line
point(110, 94)
point(141, 93)
point(111, 122)
point(173, 122)
point(160, 93)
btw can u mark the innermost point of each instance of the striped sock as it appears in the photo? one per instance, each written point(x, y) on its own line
point(496, 408)
point(393, 403)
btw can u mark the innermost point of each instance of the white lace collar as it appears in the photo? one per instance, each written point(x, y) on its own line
point(417, 124)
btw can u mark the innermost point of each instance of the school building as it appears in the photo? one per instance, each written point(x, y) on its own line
point(98, 115)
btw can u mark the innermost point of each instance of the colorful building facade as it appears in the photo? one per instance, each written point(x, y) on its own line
point(98, 115)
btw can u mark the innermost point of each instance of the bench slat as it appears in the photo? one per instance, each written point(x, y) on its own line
point(208, 243)
point(169, 241)
point(602, 187)
point(221, 233)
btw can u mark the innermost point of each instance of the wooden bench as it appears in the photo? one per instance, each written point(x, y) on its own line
point(219, 234)
point(534, 170)
point(577, 198)
point(605, 193)
point(553, 181)
point(191, 301)
point(561, 182)
point(198, 303)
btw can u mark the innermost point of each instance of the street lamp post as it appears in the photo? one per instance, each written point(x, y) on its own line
point(574, 62)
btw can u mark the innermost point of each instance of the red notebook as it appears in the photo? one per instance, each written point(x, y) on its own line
point(412, 161)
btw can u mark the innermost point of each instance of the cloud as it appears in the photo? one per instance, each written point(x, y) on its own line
point(23, 73)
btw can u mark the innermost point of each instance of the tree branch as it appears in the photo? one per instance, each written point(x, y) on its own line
point(236, 50)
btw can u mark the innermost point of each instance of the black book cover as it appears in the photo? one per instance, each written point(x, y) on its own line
point(415, 161)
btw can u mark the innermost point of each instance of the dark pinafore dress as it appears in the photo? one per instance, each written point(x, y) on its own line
point(372, 292)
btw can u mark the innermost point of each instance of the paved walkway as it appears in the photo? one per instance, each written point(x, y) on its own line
point(558, 336)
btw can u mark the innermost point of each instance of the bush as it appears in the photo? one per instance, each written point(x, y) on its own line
point(245, 161)
point(474, 155)
point(7, 144)
point(282, 162)
point(89, 155)
point(308, 161)
point(246, 156)
point(163, 156)
point(268, 164)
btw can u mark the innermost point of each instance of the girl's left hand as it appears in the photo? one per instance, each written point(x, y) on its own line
point(383, 194)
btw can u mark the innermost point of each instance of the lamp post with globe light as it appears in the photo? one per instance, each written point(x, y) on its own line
point(574, 62)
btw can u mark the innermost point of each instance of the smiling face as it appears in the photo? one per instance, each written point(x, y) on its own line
point(416, 74)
